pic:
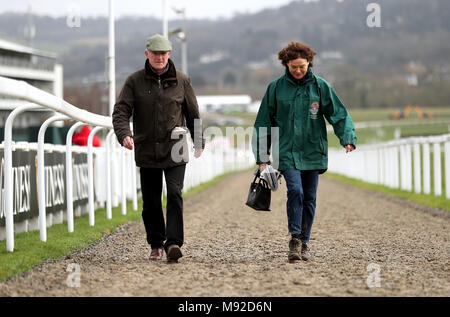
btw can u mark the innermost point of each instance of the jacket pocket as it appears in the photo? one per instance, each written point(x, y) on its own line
point(142, 151)
point(324, 146)
point(137, 139)
point(284, 107)
point(317, 143)
point(164, 151)
point(174, 114)
point(175, 119)
point(314, 151)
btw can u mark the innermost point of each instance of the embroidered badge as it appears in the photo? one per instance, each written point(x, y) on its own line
point(314, 110)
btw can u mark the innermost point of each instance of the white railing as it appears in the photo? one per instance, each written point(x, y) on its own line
point(403, 164)
point(38, 98)
point(114, 159)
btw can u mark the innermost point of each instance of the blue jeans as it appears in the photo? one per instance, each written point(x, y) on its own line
point(301, 201)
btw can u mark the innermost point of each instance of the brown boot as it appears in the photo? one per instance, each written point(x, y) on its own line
point(294, 254)
point(305, 252)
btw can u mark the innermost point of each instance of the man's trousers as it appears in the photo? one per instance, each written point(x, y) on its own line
point(159, 232)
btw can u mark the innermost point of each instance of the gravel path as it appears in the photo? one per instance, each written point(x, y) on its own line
point(359, 238)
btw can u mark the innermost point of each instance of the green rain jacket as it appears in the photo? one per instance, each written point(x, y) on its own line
point(299, 109)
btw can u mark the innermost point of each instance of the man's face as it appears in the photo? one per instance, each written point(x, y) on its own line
point(158, 60)
point(298, 67)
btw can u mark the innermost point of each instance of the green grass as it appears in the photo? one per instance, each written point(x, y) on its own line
point(29, 251)
point(409, 127)
point(364, 115)
point(249, 118)
point(427, 200)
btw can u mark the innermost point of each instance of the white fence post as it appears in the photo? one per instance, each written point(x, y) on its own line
point(122, 180)
point(447, 169)
point(393, 167)
point(403, 167)
point(381, 165)
point(69, 175)
point(108, 175)
point(133, 180)
point(386, 166)
point(375, 165)
point(41, 175)
point(437, 169)
point(408, 167)
point(91, 175)
point(426, 169)
point(396, 167)
point(417, 171)
point(8, 181)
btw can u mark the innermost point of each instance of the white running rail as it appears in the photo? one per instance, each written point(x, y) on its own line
point(403, 164)
point(38, 98)
point(218, 158)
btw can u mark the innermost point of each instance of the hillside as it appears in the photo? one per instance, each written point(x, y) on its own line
point(239, 54)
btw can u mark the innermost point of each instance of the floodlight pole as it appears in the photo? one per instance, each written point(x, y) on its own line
point(182, 36)
point(184, 62)
point(165, 18)
point(111, 60)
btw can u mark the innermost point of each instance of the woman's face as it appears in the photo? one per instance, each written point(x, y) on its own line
point(298, 67)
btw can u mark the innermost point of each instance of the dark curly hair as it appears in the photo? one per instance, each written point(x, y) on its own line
point(296, 50)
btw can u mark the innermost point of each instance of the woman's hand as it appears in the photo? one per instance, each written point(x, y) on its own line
point(349, 148)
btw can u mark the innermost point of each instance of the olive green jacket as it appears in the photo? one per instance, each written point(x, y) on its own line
point(299, 110)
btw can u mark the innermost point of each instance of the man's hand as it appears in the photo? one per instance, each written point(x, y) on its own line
point(262, 166)
point(198, 153)
point(128, 142)
point(349, 148)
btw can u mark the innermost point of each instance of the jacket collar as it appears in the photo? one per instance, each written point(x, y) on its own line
point(169, 75)
point(305, 80)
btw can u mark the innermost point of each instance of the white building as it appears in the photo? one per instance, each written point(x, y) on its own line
point(220, 103)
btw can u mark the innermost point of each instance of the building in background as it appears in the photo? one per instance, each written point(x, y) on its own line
point(223, 103)
point(38, 68)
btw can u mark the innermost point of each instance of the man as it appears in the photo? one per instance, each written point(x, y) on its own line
point(160, 99)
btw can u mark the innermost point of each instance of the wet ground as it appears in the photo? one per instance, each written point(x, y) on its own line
point(362, 244)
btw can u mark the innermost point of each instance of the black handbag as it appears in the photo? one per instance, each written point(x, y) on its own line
point(259, 194)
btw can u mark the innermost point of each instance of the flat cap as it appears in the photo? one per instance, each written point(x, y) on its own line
point(158, 43)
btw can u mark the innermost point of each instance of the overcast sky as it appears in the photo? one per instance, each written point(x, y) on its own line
point(194, 8)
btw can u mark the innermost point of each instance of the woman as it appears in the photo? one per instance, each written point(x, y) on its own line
point(297, 103)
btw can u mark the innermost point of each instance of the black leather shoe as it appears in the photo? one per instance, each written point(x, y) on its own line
point(173, 253)
point(156, 254)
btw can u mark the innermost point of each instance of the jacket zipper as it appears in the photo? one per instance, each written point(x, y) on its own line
point(156, 120)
